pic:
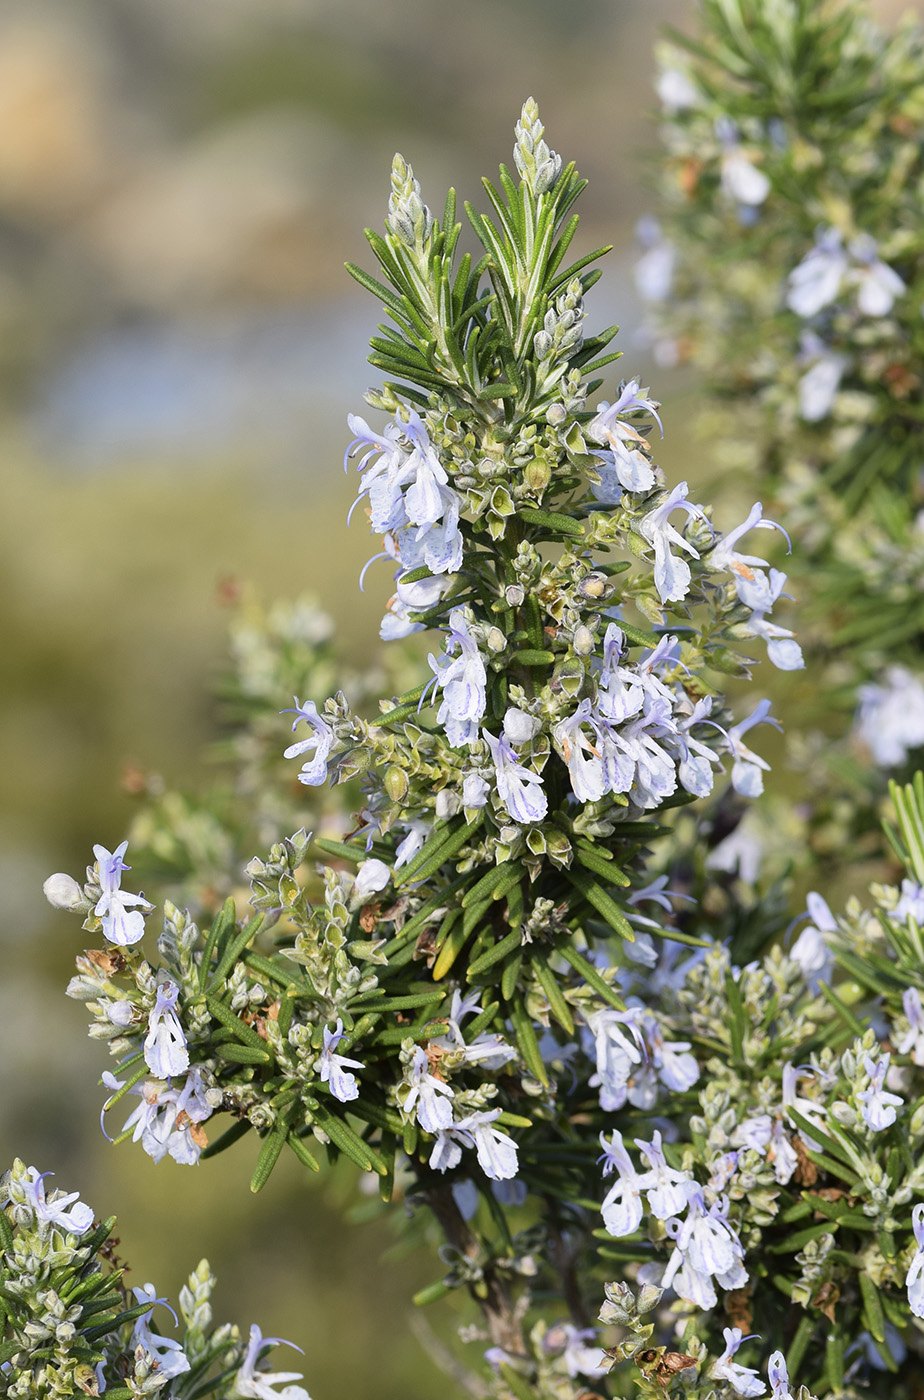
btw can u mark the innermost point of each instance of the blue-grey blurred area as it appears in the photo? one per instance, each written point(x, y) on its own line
point(180, 184)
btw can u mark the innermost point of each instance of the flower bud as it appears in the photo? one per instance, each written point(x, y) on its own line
point(649, 1297)
point(496, 640)
point(519, 727)
point(447, 804)
point(373, 875)
point(63, 892)
point(396, 783)
point(537, 475)
point(583, 640)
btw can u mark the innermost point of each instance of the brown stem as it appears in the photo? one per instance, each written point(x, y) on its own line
point(500, 1313)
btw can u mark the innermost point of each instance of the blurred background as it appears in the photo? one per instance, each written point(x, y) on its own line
point(179, 346)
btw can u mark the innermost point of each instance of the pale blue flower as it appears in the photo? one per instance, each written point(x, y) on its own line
point(439, 545)
point(810, 951)
point(816, 281)
point(518, 787)
point(314, 772)
point(740, 179)
point(747, 777)
point(251, 1384)
point(489, 1050)
point(120, 924)
point(165, 1052)
point(615, 1053)
point(778, 1377)
point(168, 1354)
point(677, 1069)
point(496, 1150)
point(334, 1069)
point(810, 1109)
point(474, 790)
point(760, 593)
point(672, 574)
point(914, 1279)
point(878, 1105)
point(166, 1121)
point(879, 285)
point(706, 1247)
point(581, 754)
point(409, 598)
point(417, 833)
point(66, 1213)
point(910, 904)
point(913, 1040)
point(579, 1358)
point(723, 554)
point(890, 719)
point(622, 1206)
point(428, 1095)
point(743, 1380)
point(463, 680)
point(817, 389)
point(383, 482)
point(676, 90)
point(667, 1189)
point(654, 270)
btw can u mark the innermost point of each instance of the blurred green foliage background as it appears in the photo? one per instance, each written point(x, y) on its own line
point(179, 345)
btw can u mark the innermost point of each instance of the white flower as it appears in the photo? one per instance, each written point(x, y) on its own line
point(169, 1356)
point(334, 1068)
point(429, 1095)
point(890, 720)
point(778, 1377)
point(371, 877)
point(581, 754)
point(741, 180)
point(165, 1052)
point(518, 787)
point(744, 1380)
point(615, 1053)
point(913, 1039)
point(818, 387)
point(676, 90)
point(579, 1358)
point(816, 281)
point(120, 925)
point(878, 1105)
point(879, 285)
point(672, 575)
point(462, 680)
point(667, 1190)
point(314, 772)
point(622, 1207)
point(914, 1279)
point(260, 1385)
point(747, 778)
point(65, 1212)
point(706, 1248)
point(497, 1151)
point(654, 270)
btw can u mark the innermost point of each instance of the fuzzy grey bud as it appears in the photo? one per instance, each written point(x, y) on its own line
point(63, 892)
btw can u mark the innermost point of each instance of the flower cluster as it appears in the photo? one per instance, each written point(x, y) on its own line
point(789, 272)
point(71, 1325)
point(455, 988)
